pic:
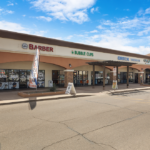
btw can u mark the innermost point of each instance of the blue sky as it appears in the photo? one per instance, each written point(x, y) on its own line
point(117, 24)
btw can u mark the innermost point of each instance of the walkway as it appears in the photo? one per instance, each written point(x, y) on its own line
point(13, 95)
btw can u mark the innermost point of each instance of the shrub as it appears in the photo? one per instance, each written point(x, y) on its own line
point(53, 89)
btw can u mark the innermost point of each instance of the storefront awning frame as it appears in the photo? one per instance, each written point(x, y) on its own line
point(110, 63)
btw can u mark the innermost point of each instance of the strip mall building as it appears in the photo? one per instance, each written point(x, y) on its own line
point(63, 62)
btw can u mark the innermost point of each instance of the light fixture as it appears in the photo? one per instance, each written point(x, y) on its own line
point(69, 65)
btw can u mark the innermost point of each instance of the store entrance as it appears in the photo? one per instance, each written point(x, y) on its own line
point(123, 77)
point(136, 77)
point(147, 75)
point(80, 78)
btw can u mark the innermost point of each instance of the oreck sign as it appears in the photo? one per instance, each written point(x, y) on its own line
point(34, 47)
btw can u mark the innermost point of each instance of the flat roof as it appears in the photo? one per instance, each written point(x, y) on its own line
point(44, 40)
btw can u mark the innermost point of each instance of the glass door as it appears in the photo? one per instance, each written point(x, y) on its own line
point(23, 79)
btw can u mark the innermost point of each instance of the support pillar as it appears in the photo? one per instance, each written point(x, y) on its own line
point(127, 76)
point(103, 77)
point(68, 77)
point(93, 76)
point(117, 74)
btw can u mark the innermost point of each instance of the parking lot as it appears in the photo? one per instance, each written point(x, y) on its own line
point(101, 122)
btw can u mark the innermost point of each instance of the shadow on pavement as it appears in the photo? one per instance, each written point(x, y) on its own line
point(127, 93)
point(32, 103)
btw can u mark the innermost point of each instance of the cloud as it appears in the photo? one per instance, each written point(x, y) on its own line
point(100, 27)
point(117, 41)
point(73, 10)
point(13, 27)
point(147, 11)
point(44, 18)
point(23, 15)
point(2, 11)
point(126, 9)
point(94, 9)
point(124, 34)
point(69, 37)
point(94, 31)
point(9, 12)
point(10, 4)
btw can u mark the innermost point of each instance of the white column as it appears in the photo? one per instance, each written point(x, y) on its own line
point(89, 77)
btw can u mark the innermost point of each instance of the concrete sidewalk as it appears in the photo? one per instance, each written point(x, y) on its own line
point(12, 97)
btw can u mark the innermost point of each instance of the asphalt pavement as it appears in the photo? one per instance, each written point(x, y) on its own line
point(115, 121)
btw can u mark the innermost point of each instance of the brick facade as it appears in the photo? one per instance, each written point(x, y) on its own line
point(68, 77)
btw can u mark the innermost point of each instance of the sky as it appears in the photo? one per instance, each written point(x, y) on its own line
point(116, 24)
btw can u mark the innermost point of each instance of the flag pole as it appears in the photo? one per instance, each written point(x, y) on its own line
point(38, 68)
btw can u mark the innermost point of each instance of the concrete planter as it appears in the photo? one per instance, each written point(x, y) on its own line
point(22, 94)
point(145, 84)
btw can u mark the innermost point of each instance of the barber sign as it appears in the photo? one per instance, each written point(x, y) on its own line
point(70, 89)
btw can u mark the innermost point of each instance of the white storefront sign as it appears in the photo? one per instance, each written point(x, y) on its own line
point(70, 89)
point(50, 83)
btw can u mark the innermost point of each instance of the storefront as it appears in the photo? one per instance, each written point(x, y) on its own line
point(63, 62)
point(17, 79)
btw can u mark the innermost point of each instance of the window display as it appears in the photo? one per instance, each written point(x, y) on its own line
point(80, 78)
point(41, 84)
point(3, 75)
point(3, 85)
point(41, 75)
point(15, 79)
point(13, 85)
point(13, 75)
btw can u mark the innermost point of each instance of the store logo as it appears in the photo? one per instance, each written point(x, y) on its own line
point(24, 46)
point(147, 61)
point(82, 53)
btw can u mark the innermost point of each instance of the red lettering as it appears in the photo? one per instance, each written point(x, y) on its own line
point(43, 48)
point(30, 46)
point(40, 48)
point(35, 47)
point(47, 49)
point(51, 49)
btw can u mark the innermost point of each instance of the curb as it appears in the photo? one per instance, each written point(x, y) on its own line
point(128, 90)
point(45, 98)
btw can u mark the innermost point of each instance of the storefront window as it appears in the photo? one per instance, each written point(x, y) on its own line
point(23, 79)
point(3, 75)
point(15, 79)
point(130, 76)
point(58, 77)
point(80, 78)
point(147, 75)
point(123, 77)
point(3, 79)
point(99, 78)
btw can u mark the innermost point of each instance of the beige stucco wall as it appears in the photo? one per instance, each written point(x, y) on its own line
point(89, 68)
point(15, 46)
point(27, 65)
